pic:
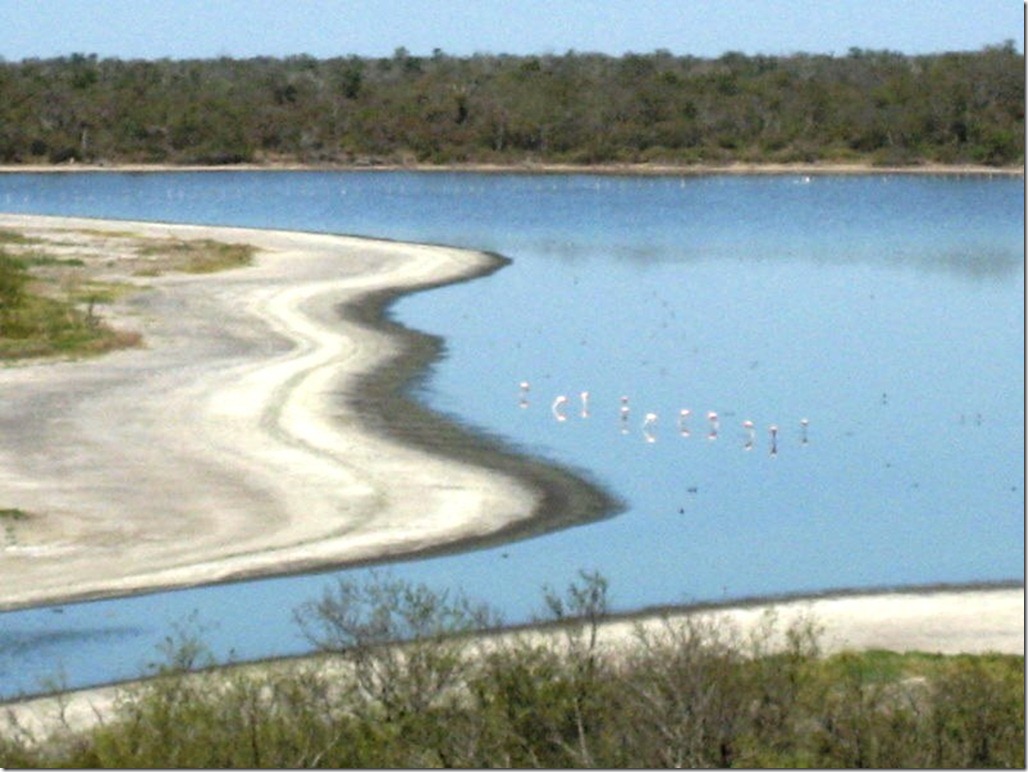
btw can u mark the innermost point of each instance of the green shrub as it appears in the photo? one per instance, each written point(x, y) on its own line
point(694, 692)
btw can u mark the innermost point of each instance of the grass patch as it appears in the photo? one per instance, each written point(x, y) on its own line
point(882, 667)
point(43, 260)
point(37, 325)
point(100, 292)
point(878, 666)
point(105, 234)
point(48, 301)
point(198, 256)
point(8, 518)
point(7, 236)
point(42, 326)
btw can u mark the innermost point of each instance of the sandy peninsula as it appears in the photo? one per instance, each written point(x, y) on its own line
point(257, 431)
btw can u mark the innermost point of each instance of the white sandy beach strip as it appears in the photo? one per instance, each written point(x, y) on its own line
point(945, 621)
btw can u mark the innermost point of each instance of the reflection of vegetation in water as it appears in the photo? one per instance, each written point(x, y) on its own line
point(15, 644)
point(982, 264)
point(696, 692)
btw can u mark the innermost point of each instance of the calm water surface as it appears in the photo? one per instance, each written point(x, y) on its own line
point(886, 311)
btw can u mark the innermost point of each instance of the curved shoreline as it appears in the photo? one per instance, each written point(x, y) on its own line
point(368, 478)
point(567, 497)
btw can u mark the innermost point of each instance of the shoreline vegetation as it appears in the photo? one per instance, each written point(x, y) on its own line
point(627, 169)
point(869, 107)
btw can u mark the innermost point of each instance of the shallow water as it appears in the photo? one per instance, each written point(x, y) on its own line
point(887, 311)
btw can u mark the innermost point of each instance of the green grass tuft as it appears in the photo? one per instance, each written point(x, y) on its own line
point(199, 256)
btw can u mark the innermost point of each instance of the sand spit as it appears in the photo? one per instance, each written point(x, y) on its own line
point(242, 439)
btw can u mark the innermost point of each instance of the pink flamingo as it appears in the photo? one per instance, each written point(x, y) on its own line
point(751, 434)
point(683, 417)
point(523, 398)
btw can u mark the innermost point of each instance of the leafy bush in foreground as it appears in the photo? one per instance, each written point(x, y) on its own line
point(691, 693)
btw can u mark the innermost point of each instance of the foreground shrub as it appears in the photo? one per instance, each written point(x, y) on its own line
point(402, 683)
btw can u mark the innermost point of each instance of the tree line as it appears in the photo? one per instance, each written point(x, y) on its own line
point(878, 107)
point(694, 693)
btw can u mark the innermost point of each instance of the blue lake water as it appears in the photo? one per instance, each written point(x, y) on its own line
point(887, 311)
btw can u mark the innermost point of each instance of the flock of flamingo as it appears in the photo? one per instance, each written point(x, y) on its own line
point(560, 407)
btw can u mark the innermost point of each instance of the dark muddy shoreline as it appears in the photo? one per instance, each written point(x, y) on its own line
point(385, 403)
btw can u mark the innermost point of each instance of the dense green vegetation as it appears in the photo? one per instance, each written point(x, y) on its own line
point(51, 291)
point(878, 107)
point(694, 693)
